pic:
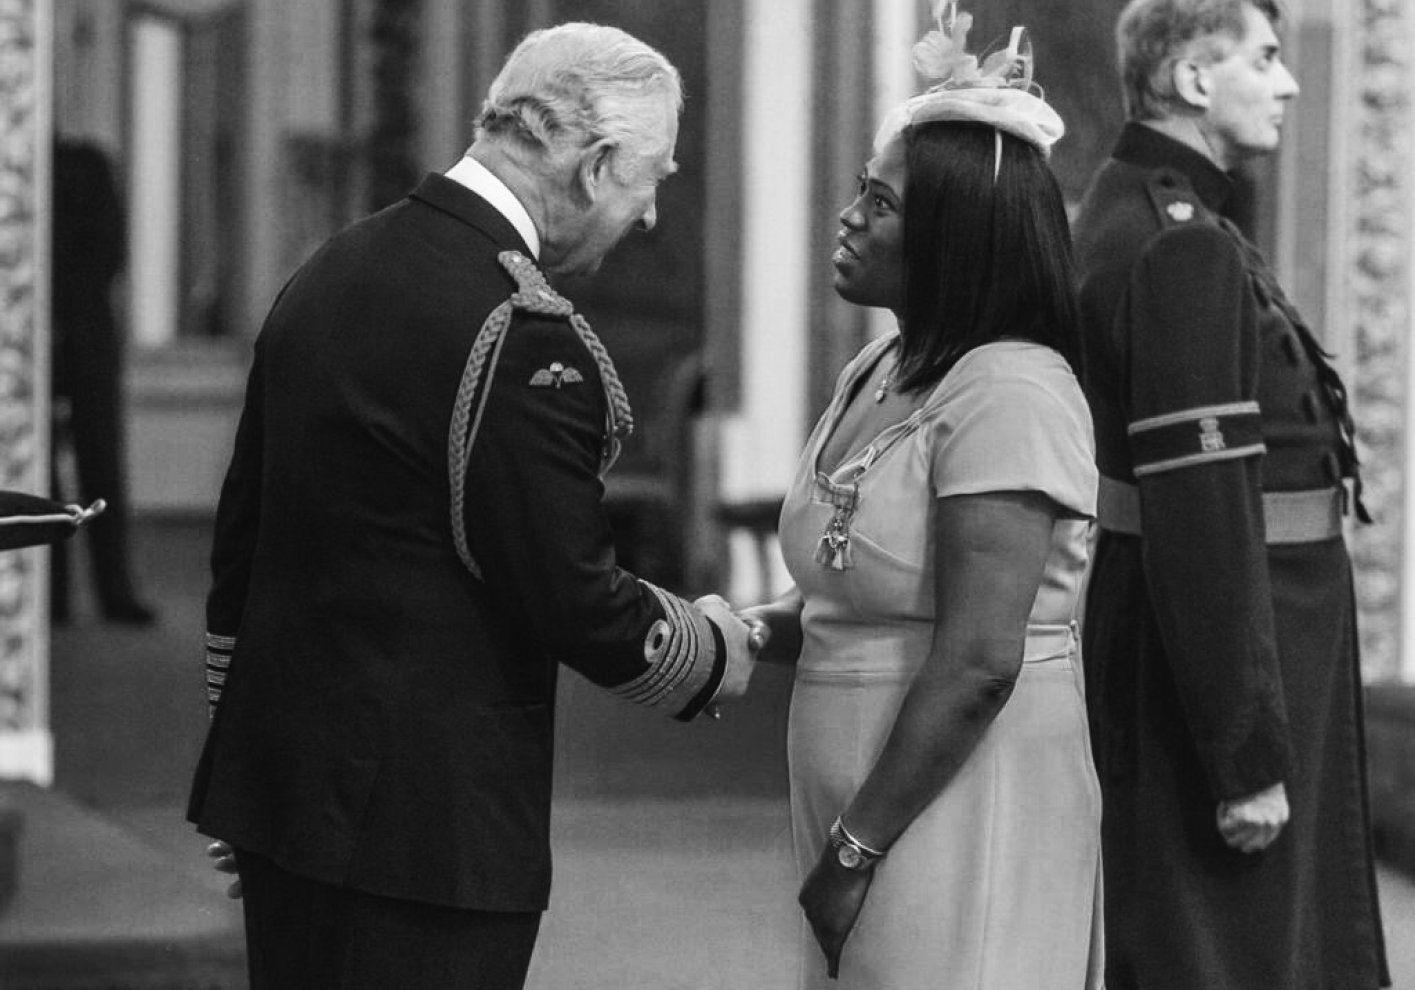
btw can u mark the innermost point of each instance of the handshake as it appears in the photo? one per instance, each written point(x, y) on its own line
point(746, 634)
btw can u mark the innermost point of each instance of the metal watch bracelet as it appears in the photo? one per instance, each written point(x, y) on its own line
point(849, 851)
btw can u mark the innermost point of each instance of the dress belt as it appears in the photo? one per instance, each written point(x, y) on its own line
point(1048, 641)
point(1290, 517)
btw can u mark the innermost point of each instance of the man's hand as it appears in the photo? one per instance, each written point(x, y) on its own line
point(224, 859)
point(1251, 823)
point(739, 639)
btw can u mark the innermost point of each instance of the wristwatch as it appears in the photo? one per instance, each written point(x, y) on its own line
point(849, 852)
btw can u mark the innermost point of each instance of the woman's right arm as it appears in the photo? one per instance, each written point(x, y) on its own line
point(782, 619)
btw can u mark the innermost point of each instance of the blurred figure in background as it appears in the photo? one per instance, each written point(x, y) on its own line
point(89, 252)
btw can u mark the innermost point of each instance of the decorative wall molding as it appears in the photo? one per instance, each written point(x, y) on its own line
point(25, 27)
point(1380, 242)
point(1376, 261)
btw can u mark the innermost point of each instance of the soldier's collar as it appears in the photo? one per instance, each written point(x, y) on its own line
point(1148, 148)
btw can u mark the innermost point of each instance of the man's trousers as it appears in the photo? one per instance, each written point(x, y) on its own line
point(302, 934)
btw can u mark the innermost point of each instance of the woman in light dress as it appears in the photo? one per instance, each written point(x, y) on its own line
point(945, 808)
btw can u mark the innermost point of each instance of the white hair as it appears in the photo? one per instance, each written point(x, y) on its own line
point(565, 87)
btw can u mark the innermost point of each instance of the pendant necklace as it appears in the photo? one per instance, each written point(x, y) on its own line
point(886, 382)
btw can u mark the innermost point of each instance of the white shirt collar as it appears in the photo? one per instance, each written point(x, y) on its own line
point(481, 180)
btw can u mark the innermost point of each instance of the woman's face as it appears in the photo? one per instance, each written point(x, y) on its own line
point(869, 259)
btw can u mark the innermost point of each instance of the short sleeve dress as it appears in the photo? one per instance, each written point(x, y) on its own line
point(995, 886)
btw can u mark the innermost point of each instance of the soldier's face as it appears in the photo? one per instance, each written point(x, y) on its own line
point(1248, 91)
point(869, 258)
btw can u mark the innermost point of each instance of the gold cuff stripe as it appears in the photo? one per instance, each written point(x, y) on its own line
point(681, 659)
point(1190, 460)
point(677, 656)
point(1192, 415)
point(218, 661)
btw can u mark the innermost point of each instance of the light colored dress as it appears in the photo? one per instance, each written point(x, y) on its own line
point(996, 885)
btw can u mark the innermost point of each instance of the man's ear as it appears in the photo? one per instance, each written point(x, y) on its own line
point(1191, 82)
point(595, 163)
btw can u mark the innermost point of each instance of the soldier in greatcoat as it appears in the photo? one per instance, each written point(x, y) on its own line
point(1220, 643)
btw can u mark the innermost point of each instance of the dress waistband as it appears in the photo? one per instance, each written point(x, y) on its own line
point(1048, 642)
point(876, 661)
point(1289, 517)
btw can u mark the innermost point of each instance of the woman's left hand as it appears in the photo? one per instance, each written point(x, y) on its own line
point(832, 897)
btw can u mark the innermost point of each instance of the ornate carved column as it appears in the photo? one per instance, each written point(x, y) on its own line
point(25, 120)
point(1375, 263)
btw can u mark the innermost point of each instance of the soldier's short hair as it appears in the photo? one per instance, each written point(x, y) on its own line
point(565, 87)
point(1152, 35)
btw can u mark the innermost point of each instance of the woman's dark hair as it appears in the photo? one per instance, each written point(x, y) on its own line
point(983, 259)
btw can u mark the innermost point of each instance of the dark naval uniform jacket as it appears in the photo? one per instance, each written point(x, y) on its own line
point(409, 543)
point(1220, 640)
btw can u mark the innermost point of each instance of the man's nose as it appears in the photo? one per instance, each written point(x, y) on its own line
point(1287, 86)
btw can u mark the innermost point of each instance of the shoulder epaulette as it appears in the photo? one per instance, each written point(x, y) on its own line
point(1174, 200)
point(533, 295)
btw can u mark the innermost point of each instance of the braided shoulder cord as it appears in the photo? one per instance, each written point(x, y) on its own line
point(533, 295)
point(621, 419)
point(459, 440)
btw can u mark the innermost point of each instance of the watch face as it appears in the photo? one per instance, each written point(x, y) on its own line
point(848, 856)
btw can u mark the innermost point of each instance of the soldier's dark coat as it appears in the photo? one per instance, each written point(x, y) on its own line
point(385, 719)
point(1218, 662)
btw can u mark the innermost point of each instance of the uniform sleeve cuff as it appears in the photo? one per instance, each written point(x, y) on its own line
point(684, 655)
point(704, 697)
point(1255, 766)
point(218, 662)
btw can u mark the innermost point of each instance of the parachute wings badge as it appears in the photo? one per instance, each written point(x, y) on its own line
point(557, 374)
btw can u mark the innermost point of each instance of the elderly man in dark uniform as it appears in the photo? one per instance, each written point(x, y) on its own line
point(1220, 641)
point(411, 539)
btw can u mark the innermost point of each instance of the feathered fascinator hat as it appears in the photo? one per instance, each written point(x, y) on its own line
point(998, 92)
